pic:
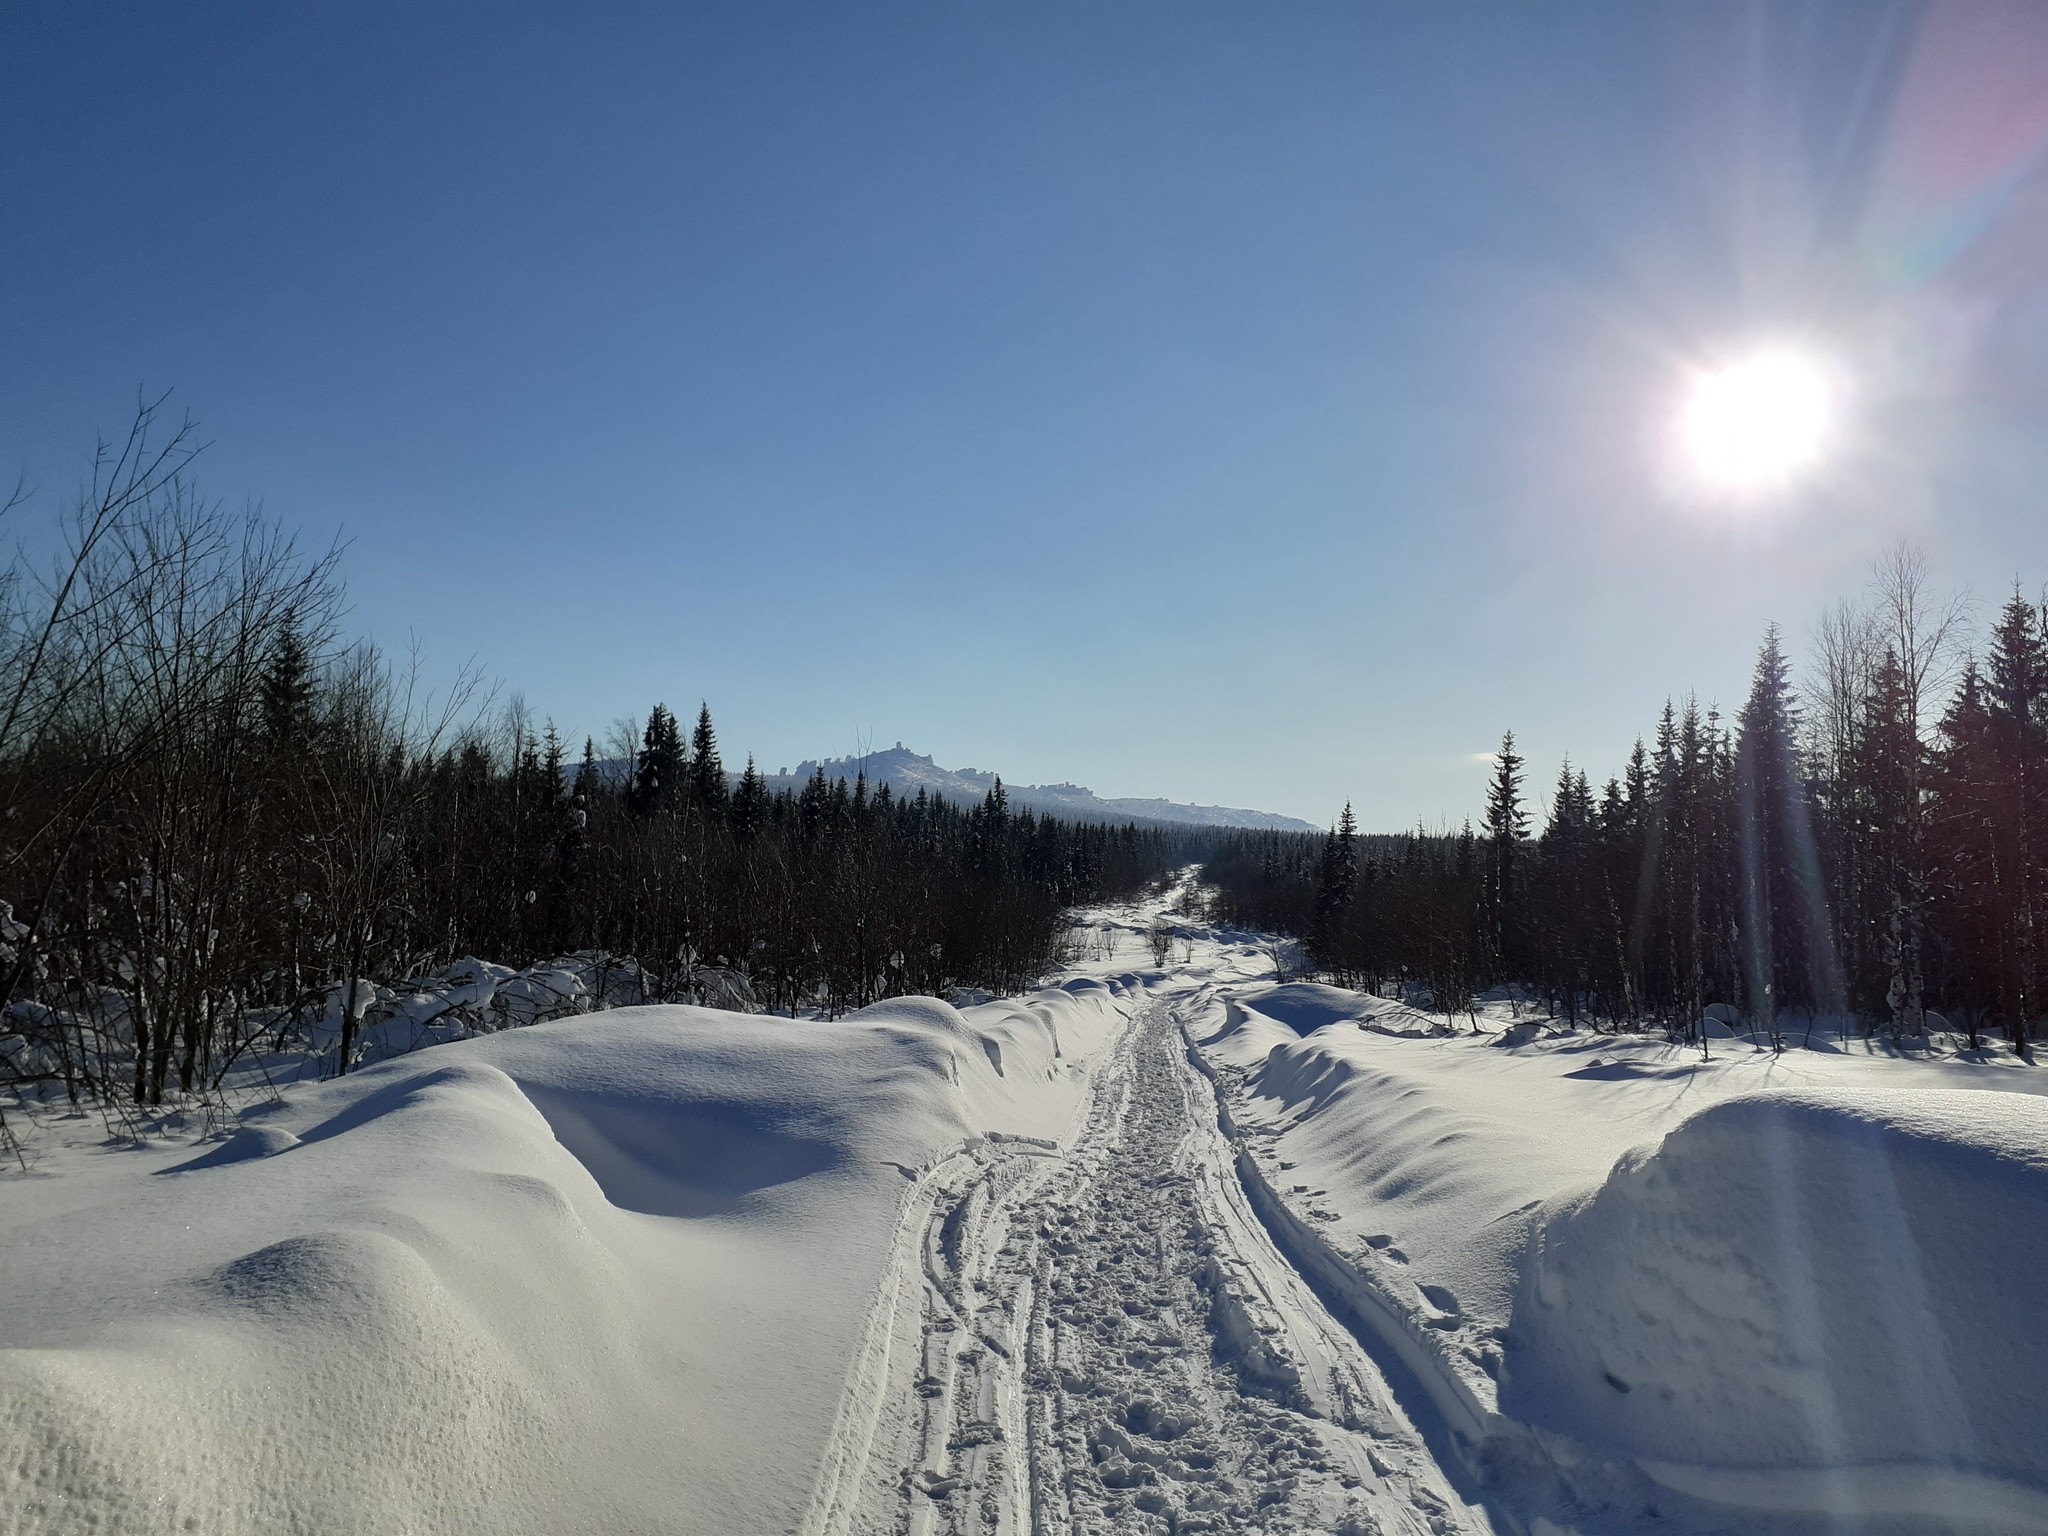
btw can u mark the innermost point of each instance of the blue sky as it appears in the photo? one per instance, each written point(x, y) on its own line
point(1252, 404)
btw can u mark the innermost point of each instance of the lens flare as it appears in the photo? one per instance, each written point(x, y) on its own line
point(1759, 423)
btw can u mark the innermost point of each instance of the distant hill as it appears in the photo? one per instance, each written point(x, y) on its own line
point(906, 772)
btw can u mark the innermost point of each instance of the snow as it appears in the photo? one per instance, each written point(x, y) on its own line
point(1154, 1249)
point(601, 1273)
point(1779, 1284)
point(1102, 1338)
point(1801, 1279)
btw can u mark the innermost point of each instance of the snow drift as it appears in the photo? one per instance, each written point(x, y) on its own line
point(1834, 1285)
point(1757, 1292)
point(599, 1274)
point(1249, 1023)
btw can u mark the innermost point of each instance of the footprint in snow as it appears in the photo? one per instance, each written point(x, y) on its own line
point(1383, 1245)
point(1442, 1299)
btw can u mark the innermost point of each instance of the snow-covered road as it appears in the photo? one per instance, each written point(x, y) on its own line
point(1102, 1337)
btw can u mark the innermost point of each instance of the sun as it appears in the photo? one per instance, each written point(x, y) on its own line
point(1759, 423)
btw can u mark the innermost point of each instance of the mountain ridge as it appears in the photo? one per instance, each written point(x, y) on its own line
point(906, 772)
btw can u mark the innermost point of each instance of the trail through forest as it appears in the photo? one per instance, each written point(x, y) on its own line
point(1103, 1337)
point(1165, 1246)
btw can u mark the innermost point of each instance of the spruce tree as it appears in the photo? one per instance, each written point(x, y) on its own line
point(658, 770)
point(1690, 819)
point(1788, 944)
point(1882, 770)
point(1637, 840)
point(286, 693)
point(749, 802)
point(586, 785)
point(814, 805)
point(551, 758)
point(1967, 849)
point(1565, 867)
point(1338, 876)
point(2016, 697)
point(1507, 831)
point(708, 788)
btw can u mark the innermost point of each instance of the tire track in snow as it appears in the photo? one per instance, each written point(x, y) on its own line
point(1107, 1340)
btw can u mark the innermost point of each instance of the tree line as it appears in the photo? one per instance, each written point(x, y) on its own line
point(220, 821)
point(1867, 845)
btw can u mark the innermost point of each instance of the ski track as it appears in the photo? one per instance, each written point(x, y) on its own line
point(1104, 1338)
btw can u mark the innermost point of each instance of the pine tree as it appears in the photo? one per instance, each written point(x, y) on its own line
point(1883, 775)
point(563, 826)
point(658, 770)
point(1786, 933)
point(1855, 863)
point(1967, 855)
point(1507, 831)
point(1690, 817)
point(1637, 841)
point(1338, 877)
point(2016, 699)
point(814, 805)
point(286, 692)
point(534, 786)
point(708, 788)
point(551, 761)
point(749, 802)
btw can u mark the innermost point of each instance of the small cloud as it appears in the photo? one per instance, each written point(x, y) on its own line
point(1485, 757)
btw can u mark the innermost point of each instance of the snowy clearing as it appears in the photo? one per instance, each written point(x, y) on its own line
point(1158, 1249)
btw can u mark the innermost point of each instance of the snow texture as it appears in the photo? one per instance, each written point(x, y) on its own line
point(1155, 1250)
point(590, 1275)
point(1802, 1280)
point(1643, 1290)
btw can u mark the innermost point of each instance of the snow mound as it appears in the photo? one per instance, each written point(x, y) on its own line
point(604, 1273)
point(1242, 1029)
point(1759, 1292)
point(249, 1141)
point(1306, 1006)
point(1235, 1035)
point(1807, 1299)
point(932, 1014)
point(947, 1029)
point(1301, 1079)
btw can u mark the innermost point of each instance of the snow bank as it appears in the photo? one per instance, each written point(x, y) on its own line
point(1306, 1006)
point(604, 1273)
point(1822, 1281)
point(1802, 1272)
point(1243, 1027)
point(1235, 1035)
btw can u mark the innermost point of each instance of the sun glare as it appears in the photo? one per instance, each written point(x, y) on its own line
point(1759, 423)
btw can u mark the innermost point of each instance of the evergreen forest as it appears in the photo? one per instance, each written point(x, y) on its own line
point(1867, 845)
point(225, 829)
